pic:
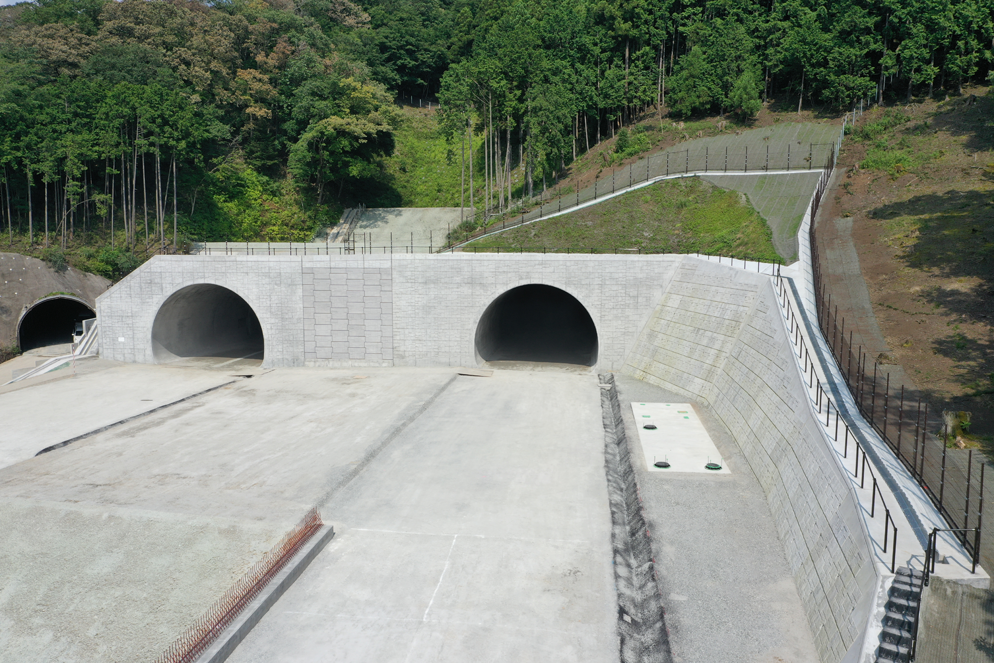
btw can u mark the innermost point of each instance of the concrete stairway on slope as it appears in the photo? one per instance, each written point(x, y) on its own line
point(903, 606)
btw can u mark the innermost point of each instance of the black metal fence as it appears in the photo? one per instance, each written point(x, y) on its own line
point(701, 160)
point(849, 441)
point(952, 479)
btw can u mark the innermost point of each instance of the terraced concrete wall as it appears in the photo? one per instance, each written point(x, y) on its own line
point(717, 336)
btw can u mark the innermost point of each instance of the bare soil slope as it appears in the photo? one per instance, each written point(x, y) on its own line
point(915, 197)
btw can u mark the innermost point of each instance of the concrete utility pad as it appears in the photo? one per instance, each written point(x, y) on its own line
point(679, 438)
point(424, 223)
point(481, 533)
point(725, 581)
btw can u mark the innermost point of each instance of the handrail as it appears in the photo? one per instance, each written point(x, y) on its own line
point(932, 550)
point(824, 401)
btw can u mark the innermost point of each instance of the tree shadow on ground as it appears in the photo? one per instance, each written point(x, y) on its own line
point(378, 191)
point(951, 235)
point(971, 116)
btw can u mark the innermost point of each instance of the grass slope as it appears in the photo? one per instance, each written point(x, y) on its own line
point(425, 169)
point(781, 199)
point(677, 216)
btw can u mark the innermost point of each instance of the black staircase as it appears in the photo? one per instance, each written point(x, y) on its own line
point(901, 620)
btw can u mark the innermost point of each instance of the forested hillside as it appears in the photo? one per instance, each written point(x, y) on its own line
point(133, 123)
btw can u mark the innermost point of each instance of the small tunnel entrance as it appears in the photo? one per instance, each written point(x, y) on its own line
point(537, 323)
point(51, 321)
point(206, 320)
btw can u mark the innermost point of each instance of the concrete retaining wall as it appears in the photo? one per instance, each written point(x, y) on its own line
point(391, 310)
point(709, 331)
point(717, 336)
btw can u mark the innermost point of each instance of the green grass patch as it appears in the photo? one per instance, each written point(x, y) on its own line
point(677, 216)
point(425, 169)
point(896, 161)
point(8, 353)
point(631, 143)
point(891, 119)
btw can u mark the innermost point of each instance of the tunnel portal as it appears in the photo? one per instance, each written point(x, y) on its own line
point(206, 320)
point(537, 323)
point(51, 321)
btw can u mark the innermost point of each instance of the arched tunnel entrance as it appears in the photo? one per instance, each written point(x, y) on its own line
point(51, 321)
point(537, 323)
point(206, 320)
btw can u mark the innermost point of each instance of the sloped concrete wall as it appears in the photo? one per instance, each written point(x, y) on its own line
point(717, 336)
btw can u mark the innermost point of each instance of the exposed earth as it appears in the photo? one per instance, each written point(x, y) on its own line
point(915, 198)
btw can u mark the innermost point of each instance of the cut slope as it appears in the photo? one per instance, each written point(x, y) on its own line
point(913, 216)
point(676, 216)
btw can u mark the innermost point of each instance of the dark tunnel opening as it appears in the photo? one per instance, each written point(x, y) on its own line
point(206, 320)
point(51, 322)
point(537, 323)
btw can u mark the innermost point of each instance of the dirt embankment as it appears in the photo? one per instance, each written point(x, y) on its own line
point(24, 280)
point(909, 236)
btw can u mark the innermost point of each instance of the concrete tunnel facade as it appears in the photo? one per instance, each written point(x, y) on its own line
point(397, 310)
point(51, 321)
point(206, 320)
point(710, 332)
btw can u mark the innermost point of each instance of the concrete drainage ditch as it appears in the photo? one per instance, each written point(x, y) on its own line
point(641, 619)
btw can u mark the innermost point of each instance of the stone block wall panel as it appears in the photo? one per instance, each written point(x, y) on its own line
point(722, 341)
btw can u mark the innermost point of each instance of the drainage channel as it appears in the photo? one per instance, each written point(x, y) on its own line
point(641, 619)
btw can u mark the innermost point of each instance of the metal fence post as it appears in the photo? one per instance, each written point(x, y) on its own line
point(918, 418)
point(900, 423)
point(849, 359)
point(942, 477)
point(921, 473)
point(966, 508)
point(873, 396)
point(886, 401)
point(980, 512)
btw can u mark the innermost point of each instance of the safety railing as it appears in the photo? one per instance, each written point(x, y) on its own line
point(945, 478)
point(823, 402)
point(198, 638)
